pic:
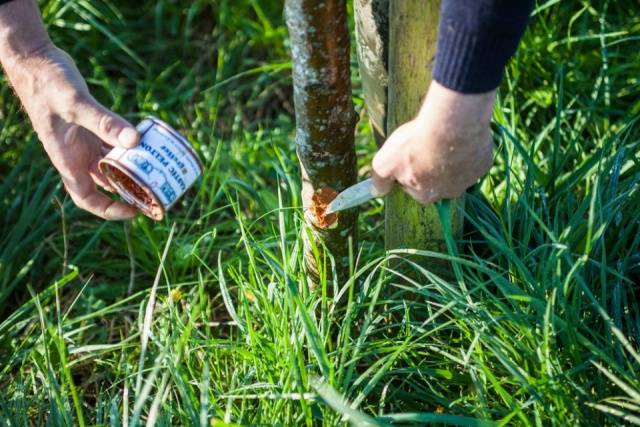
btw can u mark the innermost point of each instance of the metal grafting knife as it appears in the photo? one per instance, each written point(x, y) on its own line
point(352, 196)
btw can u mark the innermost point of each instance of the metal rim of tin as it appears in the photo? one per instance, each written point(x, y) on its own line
point(179, 137)
point(105, 166)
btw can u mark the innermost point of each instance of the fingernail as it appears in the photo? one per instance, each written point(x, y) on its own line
point(128, 137)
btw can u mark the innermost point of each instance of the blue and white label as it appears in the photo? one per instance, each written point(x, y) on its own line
point(161, 162)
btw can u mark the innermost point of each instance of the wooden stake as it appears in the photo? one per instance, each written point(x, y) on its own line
point(396, 49)
point(412, 47)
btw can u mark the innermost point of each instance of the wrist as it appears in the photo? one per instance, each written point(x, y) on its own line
point(446, 107)
point(17, 44)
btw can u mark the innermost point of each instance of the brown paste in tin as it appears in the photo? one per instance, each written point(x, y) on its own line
point(149, 205)
point(319, 203)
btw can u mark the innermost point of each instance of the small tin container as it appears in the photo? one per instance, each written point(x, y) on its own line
point(157, 172)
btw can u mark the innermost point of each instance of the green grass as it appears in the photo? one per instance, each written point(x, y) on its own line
point(206, 317)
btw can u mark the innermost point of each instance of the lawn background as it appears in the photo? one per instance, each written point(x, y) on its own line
point(539, 326)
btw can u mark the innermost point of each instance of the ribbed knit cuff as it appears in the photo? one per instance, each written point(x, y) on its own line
point(475, 42)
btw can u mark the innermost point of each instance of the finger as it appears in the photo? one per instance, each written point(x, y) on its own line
point(105, 149)
point(106, 125)
point(382, 172)
point(454, 194)
point(99, 178)
point(381, 185)
point(423, 196)
point(104, 207)
point(85, 195)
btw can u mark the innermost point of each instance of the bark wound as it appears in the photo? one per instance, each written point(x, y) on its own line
point(325, 117)
point(317, 211)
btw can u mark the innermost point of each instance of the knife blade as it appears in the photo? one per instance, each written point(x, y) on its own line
point(352, 196)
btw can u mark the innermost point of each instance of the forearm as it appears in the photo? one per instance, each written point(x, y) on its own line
point(22, 32)
point(476, 38)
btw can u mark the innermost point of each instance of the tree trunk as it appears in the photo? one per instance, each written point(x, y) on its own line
point(325, 120)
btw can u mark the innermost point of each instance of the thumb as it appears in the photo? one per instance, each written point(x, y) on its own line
point(106, 125)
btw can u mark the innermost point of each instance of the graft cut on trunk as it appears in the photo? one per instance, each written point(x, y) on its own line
point(318, 209)
point(325, 122)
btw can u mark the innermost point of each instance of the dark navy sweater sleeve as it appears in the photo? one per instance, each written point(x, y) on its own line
point(476, 38)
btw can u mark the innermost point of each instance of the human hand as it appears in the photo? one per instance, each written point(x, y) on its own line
point(72, 127)
point(441, 152)
point(70, 123)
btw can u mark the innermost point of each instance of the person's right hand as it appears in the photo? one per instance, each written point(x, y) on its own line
point(72, 126)
point(442, 151)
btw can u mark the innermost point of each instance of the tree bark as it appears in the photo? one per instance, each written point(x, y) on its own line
point(325, 121)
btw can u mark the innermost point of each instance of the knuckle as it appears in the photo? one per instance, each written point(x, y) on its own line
point(415, 183)
point(380, 165)
point(74, 189)
point(79, 201)
point(107, 125)
point(86, 205)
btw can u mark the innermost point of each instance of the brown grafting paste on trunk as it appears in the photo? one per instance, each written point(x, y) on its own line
point(319, 202)
point(149, 205)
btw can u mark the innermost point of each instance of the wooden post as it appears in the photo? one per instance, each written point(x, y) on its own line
point(372, 45)
point(396, 47)
point(325, 121)
point(412, 46)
